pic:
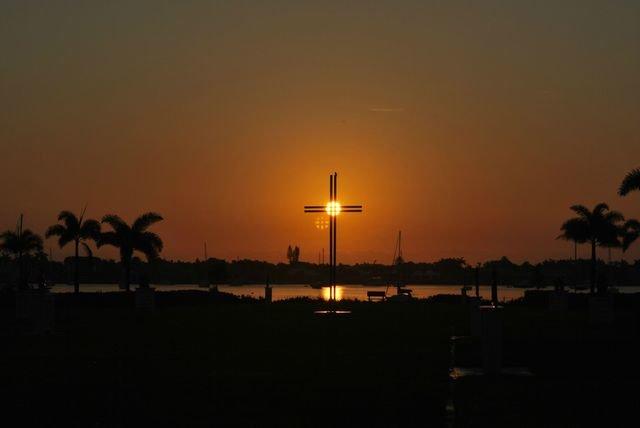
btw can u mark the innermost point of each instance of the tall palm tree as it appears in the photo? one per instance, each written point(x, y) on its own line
point(132, 238)
point(18, 244)
point(601, 228)
point(78, 231)
point(630, 182)
point(574, 230)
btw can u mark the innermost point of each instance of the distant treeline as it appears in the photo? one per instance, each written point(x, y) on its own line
point(237, 272)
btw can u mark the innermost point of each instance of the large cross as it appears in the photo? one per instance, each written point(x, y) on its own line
point(333, 208)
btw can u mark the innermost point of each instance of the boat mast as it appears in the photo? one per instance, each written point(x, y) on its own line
point(399, 259)
point(204, 264)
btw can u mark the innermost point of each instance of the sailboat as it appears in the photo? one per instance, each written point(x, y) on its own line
point(402, 293)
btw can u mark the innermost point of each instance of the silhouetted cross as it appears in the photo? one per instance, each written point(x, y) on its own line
point(333, 208)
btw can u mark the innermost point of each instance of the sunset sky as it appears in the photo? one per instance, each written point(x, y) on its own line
point(472, 126)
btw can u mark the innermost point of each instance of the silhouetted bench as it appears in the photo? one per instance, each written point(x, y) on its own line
point(376, 294)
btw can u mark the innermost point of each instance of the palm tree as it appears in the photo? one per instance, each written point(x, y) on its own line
point(20, 243)
point(629, 233)
point(574, 230)
point(132, 238)
point(78, 231)
point(600, 228)
point(630, 182)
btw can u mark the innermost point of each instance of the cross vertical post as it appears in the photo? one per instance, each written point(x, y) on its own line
point(331, 251)
point(335, 229)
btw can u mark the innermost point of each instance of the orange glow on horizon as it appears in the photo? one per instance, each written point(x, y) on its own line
point(470, 145)
point(326, 293)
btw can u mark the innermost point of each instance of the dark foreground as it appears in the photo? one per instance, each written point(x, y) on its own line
point(200, 361)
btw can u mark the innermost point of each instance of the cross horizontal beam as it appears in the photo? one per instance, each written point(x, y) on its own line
point(325, 207)
point(350, 210)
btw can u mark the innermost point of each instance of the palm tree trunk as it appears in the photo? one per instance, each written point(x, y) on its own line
point(126, 265)
point(76, 284)
point(592, 282)
point(477, 279)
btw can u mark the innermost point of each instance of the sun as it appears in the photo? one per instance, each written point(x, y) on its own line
point(333, 208)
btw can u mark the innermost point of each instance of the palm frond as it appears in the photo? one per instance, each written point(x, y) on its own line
point(630, 182)
point(148, 250)
point(143, 222)
point(115, 222)
point(87, 249)
point(64, 240)
point(109, 238)
point(9, 242)
point(632, 224)
point(581, 210)
point(68, 231)
point(27, 242)
point(628, 240)
point(70, 220)
point(90, 229)
point(613, 217)
point(600, 209)
point(64, 235)
point(629, 233)
point(31, 242)
point(55, 230)
point(150, 244)
point(575, 229)
point(153, 239)
point(609, 237)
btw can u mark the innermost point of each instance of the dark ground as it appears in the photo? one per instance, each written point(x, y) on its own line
point(198, 361)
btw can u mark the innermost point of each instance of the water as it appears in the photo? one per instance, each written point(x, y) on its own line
point(355, 292)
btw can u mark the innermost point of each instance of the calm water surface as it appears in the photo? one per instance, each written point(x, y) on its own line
point(288, 291)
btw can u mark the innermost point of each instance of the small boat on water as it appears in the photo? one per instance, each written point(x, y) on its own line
point(402, 294)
